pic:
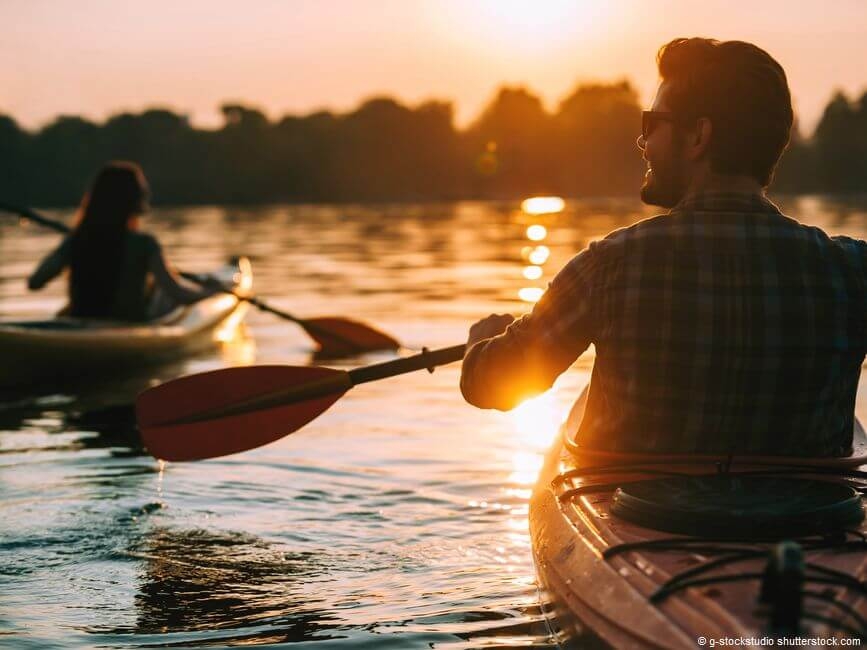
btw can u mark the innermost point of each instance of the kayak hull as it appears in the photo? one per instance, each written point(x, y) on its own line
point(587, 590)
point(66, 348)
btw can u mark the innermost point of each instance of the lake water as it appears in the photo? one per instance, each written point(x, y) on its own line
point(396, 519)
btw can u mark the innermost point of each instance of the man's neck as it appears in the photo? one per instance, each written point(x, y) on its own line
point(723, 183)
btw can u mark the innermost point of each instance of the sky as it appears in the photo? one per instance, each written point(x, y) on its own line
point(99, 57)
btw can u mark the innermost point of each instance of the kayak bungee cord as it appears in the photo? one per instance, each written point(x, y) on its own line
point(784, 470)
point(785, 605)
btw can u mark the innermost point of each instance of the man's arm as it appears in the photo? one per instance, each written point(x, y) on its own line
point(507, 362)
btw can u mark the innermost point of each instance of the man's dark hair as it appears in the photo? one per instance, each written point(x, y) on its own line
point(744, 93)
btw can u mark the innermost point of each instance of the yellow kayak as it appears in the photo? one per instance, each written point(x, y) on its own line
point(65, 348)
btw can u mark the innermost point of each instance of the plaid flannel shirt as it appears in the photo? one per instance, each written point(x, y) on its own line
point(720, 327)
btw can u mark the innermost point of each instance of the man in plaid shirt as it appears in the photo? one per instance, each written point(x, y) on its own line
point(722, 326)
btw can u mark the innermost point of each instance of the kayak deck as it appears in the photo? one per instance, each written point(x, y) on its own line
point(636, 587)
point(46, 350)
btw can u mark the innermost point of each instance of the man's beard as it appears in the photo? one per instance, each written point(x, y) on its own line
point(665, 185)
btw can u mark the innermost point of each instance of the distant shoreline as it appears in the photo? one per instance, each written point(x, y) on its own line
point(386, 152)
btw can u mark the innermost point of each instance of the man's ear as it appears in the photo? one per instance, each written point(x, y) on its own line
point(701, 137)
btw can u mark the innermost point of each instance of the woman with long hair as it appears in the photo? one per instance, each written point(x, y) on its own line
point(115, 271)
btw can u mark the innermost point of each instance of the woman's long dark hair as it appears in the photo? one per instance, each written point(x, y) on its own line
point(118, 193)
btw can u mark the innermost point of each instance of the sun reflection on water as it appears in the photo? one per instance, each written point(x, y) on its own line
point(535, 423)
point(539, 255)
point(543, 205)
point(536, 255)
point(536, 232)
point(237, 346)
point(530, 294)
point(533, 272)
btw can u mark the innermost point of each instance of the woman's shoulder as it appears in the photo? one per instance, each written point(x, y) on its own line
point(143, 240)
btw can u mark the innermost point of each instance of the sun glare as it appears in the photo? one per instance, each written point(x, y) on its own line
point(539, 255)
point(536, 421)
point(531, 294)
point(530, 25)
point(533, 272)
point(543, 205)
point(537, 232)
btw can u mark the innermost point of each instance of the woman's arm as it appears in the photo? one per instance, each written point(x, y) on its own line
point(170, 283)
point(50, 266)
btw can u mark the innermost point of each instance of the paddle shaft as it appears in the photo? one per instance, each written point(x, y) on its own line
point(312, 328)
point(335, 384)
point(428, 359)
point(35, 217)
point(273, 310)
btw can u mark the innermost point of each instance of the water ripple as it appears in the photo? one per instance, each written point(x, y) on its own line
point(398, 519)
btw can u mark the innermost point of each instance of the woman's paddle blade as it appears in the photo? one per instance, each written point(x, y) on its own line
point(343, 336)
point(234, 409)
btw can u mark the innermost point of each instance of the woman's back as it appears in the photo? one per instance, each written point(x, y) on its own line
point(114, 269)
point(120, 293)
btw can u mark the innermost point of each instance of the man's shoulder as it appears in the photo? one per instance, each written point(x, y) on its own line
point(849, 245)
point(820, 238)
point(613, 247)
point(657, 226)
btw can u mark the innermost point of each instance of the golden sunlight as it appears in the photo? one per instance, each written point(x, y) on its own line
point(525, 24)
point(238, 348)
point(536, 232)
point(543, 205)
point(229, 329)
point(530, 294)
point(536, 420)
point(525, 467)
point(539, 255)
point(532, 272)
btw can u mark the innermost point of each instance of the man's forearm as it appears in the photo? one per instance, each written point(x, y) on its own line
point(497, 374)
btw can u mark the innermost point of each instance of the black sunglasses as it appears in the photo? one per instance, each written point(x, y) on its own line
point(650, 119)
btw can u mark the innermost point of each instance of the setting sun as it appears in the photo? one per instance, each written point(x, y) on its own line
point(528, 25)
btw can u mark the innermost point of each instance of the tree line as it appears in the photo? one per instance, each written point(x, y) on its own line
point(387, 151)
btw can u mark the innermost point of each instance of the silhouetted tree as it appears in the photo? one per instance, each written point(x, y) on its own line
point(836, 146)
point(387, 151)
point(597, 126)
point(797, 170)
point(15, 168)
point(510, 145)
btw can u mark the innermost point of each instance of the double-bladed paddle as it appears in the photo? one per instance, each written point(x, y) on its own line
point(336, 336)
point(231, 410)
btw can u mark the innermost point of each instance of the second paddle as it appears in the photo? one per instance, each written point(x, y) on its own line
point(235, 409)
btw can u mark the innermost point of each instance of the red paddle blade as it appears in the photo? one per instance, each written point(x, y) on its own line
point(234, 409)
point(343, 336)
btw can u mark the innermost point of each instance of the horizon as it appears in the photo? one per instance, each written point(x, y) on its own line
point(100, 60)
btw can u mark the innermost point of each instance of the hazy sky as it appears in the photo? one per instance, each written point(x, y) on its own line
point(99, 57)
